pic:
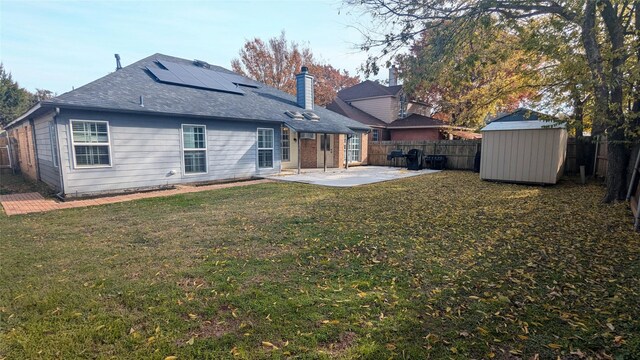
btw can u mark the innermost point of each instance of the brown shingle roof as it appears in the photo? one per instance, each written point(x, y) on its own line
point(368, 89)
point(341, 107)
point(416, 120)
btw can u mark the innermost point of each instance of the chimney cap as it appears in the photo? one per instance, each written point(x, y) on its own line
point(304, 69)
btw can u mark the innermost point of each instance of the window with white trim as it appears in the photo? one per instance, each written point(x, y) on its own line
point(90, 141)
point(194, 148)
point(265, 148)
point(352, 147)
point(375, 136)
point(286, 144)
point(54, 143)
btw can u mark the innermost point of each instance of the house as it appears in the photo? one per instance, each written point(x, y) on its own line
point(391, 114)
point(163, 121)
point(524, 146)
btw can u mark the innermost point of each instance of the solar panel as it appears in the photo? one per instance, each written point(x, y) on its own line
point(164, 75)
point(182, 73)
point(239, 80)
point(193, 76)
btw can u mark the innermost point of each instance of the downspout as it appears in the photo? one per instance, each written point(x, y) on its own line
point(35, 148)
point(60, 194)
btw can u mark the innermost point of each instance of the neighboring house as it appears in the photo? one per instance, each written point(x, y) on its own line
point(163, 121)
point(391, 115)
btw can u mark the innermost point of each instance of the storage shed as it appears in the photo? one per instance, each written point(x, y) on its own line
point(523, 147)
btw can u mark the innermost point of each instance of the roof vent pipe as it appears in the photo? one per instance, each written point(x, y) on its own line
point(304, 89)
point(118, 65)
point(393, 76)
point(141, 101)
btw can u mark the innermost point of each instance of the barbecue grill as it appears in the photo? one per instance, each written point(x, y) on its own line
point(413, 158)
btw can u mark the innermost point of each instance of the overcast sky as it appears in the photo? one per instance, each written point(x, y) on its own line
point(56, 45)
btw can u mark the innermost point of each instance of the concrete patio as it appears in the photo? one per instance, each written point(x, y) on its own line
point(354, 176)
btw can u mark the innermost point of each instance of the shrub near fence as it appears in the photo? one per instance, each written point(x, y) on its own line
point(460, 153)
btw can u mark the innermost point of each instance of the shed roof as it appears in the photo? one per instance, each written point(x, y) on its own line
point(523, 125)
point(121, 90)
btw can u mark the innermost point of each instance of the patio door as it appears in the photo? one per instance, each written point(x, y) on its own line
point(325, 141)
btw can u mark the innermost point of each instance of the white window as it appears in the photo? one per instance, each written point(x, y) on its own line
point(265, 148)
point(375, 135)
point(91, 145)
point(352, 147)
point(54, 143)
point(194, 148)
point(286, 144)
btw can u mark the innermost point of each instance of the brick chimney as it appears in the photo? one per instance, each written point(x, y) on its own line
point(304, 89)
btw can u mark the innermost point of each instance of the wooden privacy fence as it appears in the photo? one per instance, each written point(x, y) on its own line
point(8, 154)
point(460, 153)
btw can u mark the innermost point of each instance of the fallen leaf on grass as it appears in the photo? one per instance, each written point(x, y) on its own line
point(269, 345)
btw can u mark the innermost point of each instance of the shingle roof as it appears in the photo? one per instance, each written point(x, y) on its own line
point(416, 120)
point(121, 91)
point(338, 105)
point(368, 89)
point(523, 114)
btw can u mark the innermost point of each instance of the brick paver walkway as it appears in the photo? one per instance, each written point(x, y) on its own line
point(15, 204)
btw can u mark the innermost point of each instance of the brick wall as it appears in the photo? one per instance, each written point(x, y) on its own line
point(309, 153)
point(415, 134)
point(338, 154)
point(364, 148)
point(26, 149)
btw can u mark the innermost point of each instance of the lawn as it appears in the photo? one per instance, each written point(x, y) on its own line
point(435, 266)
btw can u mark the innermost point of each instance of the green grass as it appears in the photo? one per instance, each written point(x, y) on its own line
point(435, 266)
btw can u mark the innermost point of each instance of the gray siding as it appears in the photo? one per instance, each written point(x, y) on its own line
point(49, 174)
point(146, 149)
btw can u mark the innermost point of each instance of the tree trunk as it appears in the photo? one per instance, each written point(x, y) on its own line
point(618, 158)
point(594, 60)
point(617, 151)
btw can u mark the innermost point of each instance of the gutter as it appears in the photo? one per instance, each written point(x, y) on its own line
point(430, 127)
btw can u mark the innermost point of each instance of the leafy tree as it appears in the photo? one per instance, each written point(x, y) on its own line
point(277, 61)
point(14, 100)
point(465, 81)
point(609, 38)
point(42, 94)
